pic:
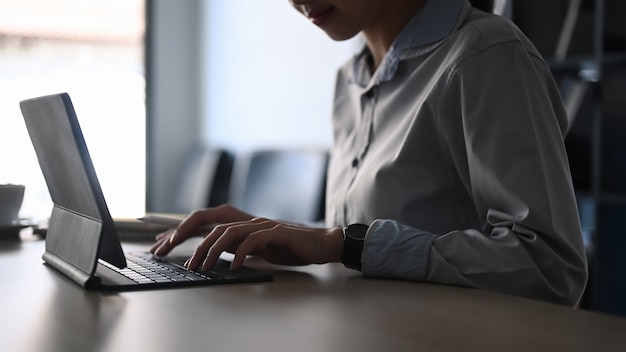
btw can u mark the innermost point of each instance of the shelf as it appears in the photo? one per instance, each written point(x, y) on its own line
point(605, 198)
point(581, 64)
point(584, 43)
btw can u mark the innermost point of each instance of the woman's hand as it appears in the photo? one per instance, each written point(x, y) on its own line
point(195, 225)
point(241, 234)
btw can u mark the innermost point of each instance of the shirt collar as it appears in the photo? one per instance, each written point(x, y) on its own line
point(435, 21)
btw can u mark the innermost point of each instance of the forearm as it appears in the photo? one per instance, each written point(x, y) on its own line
point(518, 262)
point(332, 246)
point(394, 250)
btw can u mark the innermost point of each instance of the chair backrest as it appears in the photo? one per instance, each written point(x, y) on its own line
point(282, 184)
point(205, 180)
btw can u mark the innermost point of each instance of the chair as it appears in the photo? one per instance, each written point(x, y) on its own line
point(282, 184)
point(205, 180)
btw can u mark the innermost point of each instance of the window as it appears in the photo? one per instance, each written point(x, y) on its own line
point(92, 50)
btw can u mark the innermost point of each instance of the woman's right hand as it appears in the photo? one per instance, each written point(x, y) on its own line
point(192, 226)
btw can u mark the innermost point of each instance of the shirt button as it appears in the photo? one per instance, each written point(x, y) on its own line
point(355, 162)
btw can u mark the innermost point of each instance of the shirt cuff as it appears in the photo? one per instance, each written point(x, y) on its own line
point(394, 250)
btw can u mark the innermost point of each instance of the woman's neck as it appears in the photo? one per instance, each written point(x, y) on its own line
point(380, 35)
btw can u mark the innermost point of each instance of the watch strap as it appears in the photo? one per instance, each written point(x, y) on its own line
point(353, 243)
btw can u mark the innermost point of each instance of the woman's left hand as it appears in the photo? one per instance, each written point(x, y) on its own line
point(277, 242)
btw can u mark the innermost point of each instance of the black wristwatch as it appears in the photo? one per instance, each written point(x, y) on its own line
point(353, 240)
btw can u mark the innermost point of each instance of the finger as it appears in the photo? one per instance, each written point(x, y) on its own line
point(163, 234)
point(161, 239)
point(275, 236)
point(256, 233)
point(200, 253)
point(223, 238)
point(228, 235)
point(191, 226)
point(165, 244)
point(210, 216)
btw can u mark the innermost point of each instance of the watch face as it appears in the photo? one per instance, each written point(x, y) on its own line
point(357, 231)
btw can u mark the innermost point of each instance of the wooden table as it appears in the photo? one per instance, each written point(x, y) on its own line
point(311, 308)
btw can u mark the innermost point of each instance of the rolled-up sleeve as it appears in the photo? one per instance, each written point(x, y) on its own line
point(394, 250)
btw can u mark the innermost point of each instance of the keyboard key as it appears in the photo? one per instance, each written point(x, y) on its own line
point(145, 268)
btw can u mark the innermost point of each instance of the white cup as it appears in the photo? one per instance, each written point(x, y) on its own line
point(11, 197)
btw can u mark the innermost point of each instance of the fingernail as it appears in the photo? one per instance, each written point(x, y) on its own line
point(171, 240)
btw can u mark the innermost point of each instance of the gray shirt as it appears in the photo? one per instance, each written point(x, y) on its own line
point(453, 152)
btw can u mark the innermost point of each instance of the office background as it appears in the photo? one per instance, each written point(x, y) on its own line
point(215, 73)
point(240, 75)
point(583, 41)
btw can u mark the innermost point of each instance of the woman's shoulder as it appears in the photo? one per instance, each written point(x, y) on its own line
point(484, 30)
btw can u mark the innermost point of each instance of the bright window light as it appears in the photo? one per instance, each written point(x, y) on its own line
point(92, 50)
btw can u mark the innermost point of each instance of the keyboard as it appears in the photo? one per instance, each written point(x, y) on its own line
point(144, 268)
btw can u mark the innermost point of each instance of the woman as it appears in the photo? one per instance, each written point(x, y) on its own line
point(448, 164)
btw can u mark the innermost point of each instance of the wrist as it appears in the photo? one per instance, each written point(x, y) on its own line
point(353, 244)
point(334, 245)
